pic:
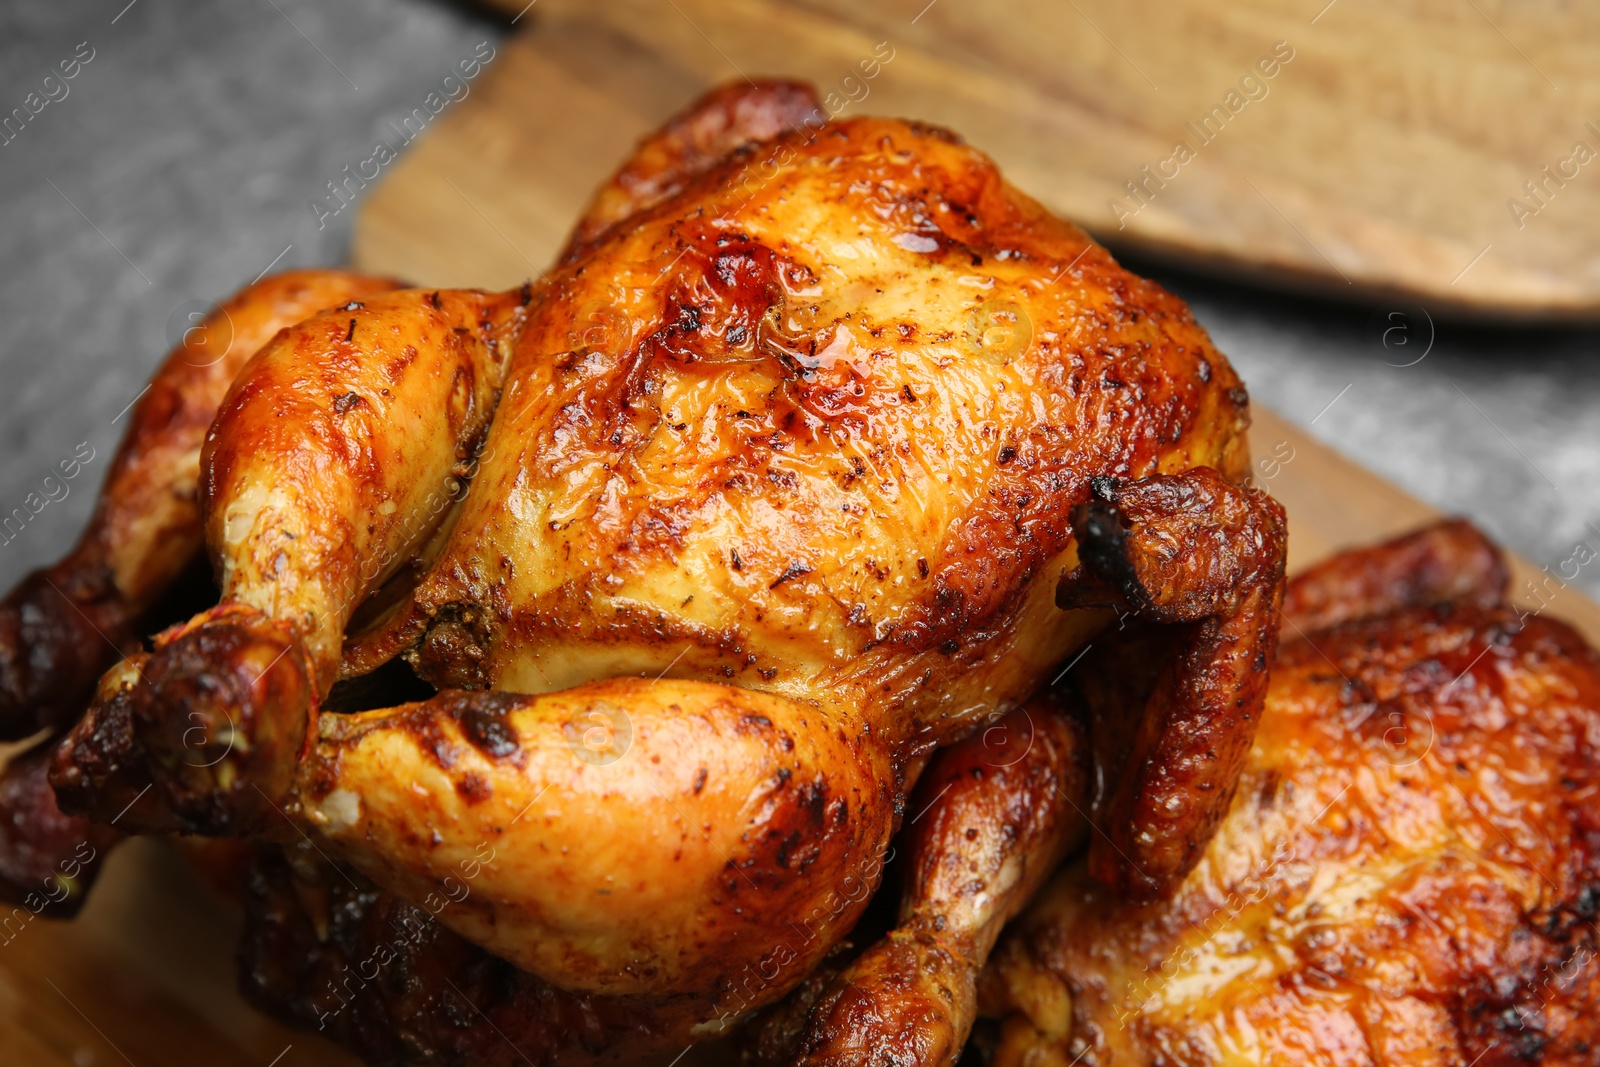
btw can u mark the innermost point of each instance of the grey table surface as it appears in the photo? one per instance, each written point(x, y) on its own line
point(180, 162)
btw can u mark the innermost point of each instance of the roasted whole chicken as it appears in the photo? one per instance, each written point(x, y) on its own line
point(736, 544)
point(1407, 876)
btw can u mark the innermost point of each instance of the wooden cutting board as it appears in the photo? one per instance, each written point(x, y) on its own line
point(145, 976)
point(1380, 161)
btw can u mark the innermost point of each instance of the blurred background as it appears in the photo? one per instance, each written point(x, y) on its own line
point(182, 161)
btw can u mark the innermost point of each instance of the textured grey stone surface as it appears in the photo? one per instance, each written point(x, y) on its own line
point(190, 145)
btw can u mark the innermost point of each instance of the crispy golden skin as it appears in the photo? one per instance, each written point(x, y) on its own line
point(800, 436)
point(1407, 877)
point(830, 426)
point(324, 465)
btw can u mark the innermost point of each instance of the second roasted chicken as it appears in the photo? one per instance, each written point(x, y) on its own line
point(1407, 876)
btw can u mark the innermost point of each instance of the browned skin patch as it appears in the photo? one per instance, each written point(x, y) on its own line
point(1408, 876)
point(64, 625)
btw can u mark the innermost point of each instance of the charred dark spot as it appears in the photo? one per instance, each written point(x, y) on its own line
point(699, 780)
point(433, 298)
point(423, 726)
point(490, 731)
point(351, 335)
point(736, 562)
point(1240, 396)
point(786, 848)
point(525, 294)
point(794, 570)
point(1522, 1031)
point(474, 788)
point(1587, 903)
point(1007, 454)
point(1268, 794)
point(345, 401)
point(812, 800)
point(1104, 488)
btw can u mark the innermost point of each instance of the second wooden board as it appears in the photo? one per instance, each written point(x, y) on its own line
point(1424, 149)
